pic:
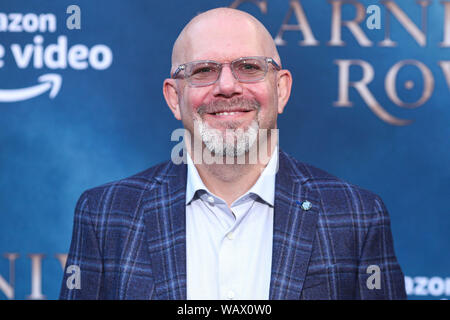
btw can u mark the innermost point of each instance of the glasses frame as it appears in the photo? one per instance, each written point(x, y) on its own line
point(183, 67)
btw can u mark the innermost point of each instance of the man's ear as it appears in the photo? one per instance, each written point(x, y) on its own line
point(171, 95)
point(284, 83)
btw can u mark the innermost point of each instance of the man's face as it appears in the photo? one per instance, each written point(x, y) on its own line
point(248, 106)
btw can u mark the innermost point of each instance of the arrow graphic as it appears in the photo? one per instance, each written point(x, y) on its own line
point(49, 81)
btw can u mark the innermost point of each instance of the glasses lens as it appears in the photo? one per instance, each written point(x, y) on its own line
point(250, 69)
point(203, 72)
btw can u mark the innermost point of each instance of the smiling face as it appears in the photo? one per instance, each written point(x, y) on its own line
point(227, 110)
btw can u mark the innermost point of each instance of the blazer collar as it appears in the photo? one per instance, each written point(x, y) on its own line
point(295, 218)
point(293, 230)
point(165, 221)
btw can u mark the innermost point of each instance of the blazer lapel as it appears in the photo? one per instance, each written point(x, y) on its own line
point(165, 221)
point(293, 231)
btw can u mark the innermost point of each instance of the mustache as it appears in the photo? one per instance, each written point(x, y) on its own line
point(242, 104)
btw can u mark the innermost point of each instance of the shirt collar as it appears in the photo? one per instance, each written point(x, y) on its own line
point(264, 186)
point(194, 182)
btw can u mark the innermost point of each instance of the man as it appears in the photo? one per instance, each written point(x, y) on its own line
point(273, 228)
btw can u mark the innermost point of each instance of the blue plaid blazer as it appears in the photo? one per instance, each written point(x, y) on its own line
point(129, 238)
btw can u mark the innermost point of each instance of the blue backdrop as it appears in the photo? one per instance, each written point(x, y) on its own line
point(100, 116)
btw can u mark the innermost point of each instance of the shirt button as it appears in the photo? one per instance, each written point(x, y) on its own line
point(230, 235)
point(230, 295)
point(211, 199)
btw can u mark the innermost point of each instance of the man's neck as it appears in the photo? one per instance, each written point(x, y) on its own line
point(230, 181)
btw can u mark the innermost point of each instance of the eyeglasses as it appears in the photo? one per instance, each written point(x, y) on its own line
point(206, 72)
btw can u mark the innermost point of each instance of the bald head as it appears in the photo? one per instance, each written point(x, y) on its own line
point(235, 30)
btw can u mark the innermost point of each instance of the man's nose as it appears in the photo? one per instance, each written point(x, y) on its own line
point(227, 85)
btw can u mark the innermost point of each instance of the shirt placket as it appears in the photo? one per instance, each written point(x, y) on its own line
point(228, 287)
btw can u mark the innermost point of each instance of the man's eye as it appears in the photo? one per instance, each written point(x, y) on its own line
point(249, 67)
point(203, 70)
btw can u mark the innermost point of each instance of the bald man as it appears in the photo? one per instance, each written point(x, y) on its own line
point(237, 218)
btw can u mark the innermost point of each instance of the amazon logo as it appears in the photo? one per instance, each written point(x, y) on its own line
point(54, 56)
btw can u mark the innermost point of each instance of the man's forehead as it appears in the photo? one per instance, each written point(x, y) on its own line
point(222, 35)
point(223, 41)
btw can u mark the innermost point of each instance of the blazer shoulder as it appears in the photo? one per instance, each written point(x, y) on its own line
point(124, 195)
point(328, 184)
point(138, 181)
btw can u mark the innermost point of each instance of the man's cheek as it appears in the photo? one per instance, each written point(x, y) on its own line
point(193, 105)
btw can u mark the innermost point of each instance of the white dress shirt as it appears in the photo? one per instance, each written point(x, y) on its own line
point(229, 252)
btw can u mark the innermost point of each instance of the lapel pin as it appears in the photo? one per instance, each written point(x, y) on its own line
point(306, 205)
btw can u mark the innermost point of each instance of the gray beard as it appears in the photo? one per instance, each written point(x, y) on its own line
point(233, 143)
